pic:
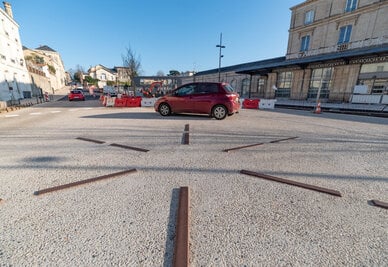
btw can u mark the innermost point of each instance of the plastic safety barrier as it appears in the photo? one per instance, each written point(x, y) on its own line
point(267, 103)
point(148, 102)
point(120, 102)
point(133, 101)
point(251, 103)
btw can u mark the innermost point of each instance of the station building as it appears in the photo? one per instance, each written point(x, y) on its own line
point(337, 52)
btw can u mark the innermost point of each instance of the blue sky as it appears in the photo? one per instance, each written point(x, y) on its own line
point(166, 35)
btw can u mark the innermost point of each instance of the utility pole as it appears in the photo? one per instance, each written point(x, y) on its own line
point(219, 58)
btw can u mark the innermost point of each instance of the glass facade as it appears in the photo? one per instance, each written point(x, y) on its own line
point(375, 77)
point(320, 82)
point(284, 84)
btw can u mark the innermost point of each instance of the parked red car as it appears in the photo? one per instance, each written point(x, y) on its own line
point(216, 99)
point(76, 95)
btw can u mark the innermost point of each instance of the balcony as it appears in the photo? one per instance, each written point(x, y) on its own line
point(339, 48)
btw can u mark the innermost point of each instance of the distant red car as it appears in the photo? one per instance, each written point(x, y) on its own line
point(216, 99)
point(76, 95)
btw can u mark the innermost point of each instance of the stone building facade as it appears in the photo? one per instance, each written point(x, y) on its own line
point(14, 78)
point(53, 66)
point(337, 51)
point(46, 69)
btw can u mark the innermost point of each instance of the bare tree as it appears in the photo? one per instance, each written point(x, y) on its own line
point(131, 62)
point(78, 75)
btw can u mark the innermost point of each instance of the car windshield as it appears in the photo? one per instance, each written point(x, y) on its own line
point(229, 88)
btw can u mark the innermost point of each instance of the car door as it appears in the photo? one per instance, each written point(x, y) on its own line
point(205, 97)
point(181, 100)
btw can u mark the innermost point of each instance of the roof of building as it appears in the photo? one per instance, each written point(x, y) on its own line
point(45, 48)
point(243, 65)
point(265, 66)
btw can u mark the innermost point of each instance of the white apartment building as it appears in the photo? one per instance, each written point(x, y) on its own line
point(15, 83)
point(104, 75)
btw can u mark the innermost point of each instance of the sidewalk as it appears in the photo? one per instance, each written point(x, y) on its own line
point(379, 110)
point(58, 94)
point(27, 102)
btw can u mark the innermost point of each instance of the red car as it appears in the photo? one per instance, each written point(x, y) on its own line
point(76, 95)
point(216, 99)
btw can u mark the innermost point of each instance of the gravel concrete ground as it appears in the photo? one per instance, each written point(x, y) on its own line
point(235, 219)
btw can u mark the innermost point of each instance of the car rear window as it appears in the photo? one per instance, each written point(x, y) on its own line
point(228, 88)
point(207, 88)
point(76, 92)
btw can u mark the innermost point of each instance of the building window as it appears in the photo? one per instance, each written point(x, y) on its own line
point(374, 67)
point(245, 84)
point(350, 5)
point(233, 83)
point(375, 77)
point(309, 17)
point(320, 82)
point(345, 33)
point(305, 43)
point(284, 84)
point(261, 87)
point(103, 76)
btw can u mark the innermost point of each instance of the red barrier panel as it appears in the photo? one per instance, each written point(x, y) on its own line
point(133, 101)
point(251, 103)
point(120, 102)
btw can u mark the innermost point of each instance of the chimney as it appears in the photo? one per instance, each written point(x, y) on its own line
point(8, 9)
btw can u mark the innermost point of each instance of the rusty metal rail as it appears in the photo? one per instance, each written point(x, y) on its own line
point(182, 235)
point(64, 186)
point(258, 144)
point(130, 147)
point(90, 140)
point(290, 182)
point(241, 147)
point(186, 135)
point(380, 204)
point(285, 139)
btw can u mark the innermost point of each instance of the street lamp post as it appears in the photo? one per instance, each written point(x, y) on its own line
point(219, 58)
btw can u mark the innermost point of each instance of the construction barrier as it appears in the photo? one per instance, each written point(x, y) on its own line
point(133, 101)
point(104, 99)
point(148, 102)
point(110, 101)
point(127, 101)
point(120, 102)
point(267, 103)
point(251, 103)
point(46, 97)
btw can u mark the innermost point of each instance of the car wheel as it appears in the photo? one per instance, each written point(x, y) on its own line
point(164, 109)
point(219, 112)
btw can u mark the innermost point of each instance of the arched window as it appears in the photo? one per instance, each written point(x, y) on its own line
point(320, 83)
point(233, 83)
point(261, 87)
point(245, 83)
point(284, 83)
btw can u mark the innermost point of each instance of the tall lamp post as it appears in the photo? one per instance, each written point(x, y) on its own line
point(219, 58)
